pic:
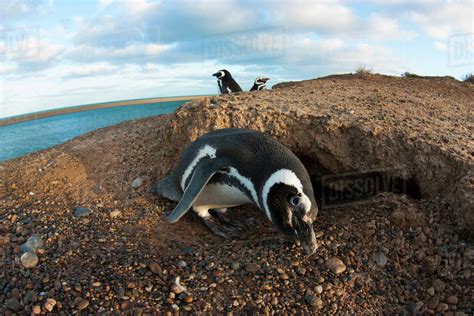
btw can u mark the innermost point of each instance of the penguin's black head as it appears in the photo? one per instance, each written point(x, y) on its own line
point(261, 81)
point(222, 73)
point(293, 214)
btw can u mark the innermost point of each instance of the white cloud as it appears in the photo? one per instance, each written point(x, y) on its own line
point(317, 16)
point(447, 18)
point(141, 7)
point(104, 3)
point(217, 17)
point(16, 9)
point(89, 53)
point(330, 55)
point(91, 70)
point(31, 52)
point(152, 67)
point(385, 28)
point(6, 68)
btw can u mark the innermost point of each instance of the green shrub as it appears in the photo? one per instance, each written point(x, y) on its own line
point(469, 78)
point(407, 74)
point(363, 70)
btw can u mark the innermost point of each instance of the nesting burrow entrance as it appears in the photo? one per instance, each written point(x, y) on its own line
point(351, 165)
point(336, 189)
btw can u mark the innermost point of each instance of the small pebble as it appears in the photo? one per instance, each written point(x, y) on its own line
point(335, 265)
point(252, 267)
point(284, 276)
point(4, 241)
point(187, 250)
point(380, 258)
point(439, 285)
point(235, 266)
point(12, 304)
point(49, 304)
point(155, 268)
point(442, 307)
point(36, 309)
point(137, 182)
point(433, 302)
point(82, 211)
point(32, 244)
point(318, 289)
point(266, 287)
point(82, 304)
point(29, 260)
point(115, 213)
point(125, 305)
point(453, 300)
point(313, 300)
point(431, 291)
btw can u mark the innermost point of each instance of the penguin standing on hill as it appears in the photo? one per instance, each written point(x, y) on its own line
point(226, 83)
point(259, 84)
point(234, 166)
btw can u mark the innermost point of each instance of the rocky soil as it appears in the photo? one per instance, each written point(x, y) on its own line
point(82, 232)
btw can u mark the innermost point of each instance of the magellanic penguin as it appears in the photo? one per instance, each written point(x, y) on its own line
point(231, 167)
point(226, 83)
point(259, 84)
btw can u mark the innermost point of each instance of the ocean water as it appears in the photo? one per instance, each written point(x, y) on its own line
point(22, 138)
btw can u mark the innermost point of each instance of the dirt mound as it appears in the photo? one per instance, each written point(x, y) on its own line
point(393, 248)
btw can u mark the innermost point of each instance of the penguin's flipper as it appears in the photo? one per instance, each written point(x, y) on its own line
point(168, 188)
point(203, 172)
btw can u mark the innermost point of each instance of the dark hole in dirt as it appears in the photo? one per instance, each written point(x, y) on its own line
point(336, 189)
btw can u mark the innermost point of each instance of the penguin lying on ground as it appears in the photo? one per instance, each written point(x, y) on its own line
point(226, 83)
point(231, 167)
point(259, 84)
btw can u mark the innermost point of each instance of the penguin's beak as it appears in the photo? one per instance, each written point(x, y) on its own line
point(305, 234)
point(215, 74)
point(265, 79)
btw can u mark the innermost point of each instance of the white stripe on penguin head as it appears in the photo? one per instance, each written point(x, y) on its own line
point(287, 177)
point(203, 152)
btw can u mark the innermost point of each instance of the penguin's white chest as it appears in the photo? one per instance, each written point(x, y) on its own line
point(219, 195)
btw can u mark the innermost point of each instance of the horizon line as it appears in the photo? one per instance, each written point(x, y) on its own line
point(93, 106)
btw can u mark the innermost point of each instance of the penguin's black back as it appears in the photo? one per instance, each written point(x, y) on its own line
point(254, 87)
point(255, 155)
point(228, 83)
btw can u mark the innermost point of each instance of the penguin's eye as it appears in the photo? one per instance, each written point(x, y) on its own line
point(295, 200)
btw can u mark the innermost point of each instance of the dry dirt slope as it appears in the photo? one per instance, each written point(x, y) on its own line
point(420, 128)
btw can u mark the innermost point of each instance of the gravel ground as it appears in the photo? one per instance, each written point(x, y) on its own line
point(81, 231)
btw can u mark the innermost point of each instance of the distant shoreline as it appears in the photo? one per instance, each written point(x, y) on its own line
point(88, 107)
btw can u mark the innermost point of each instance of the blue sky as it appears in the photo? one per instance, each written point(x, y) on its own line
point(60, 53)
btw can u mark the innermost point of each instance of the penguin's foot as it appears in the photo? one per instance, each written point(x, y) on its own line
point(226, 230)
point(220, 214)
